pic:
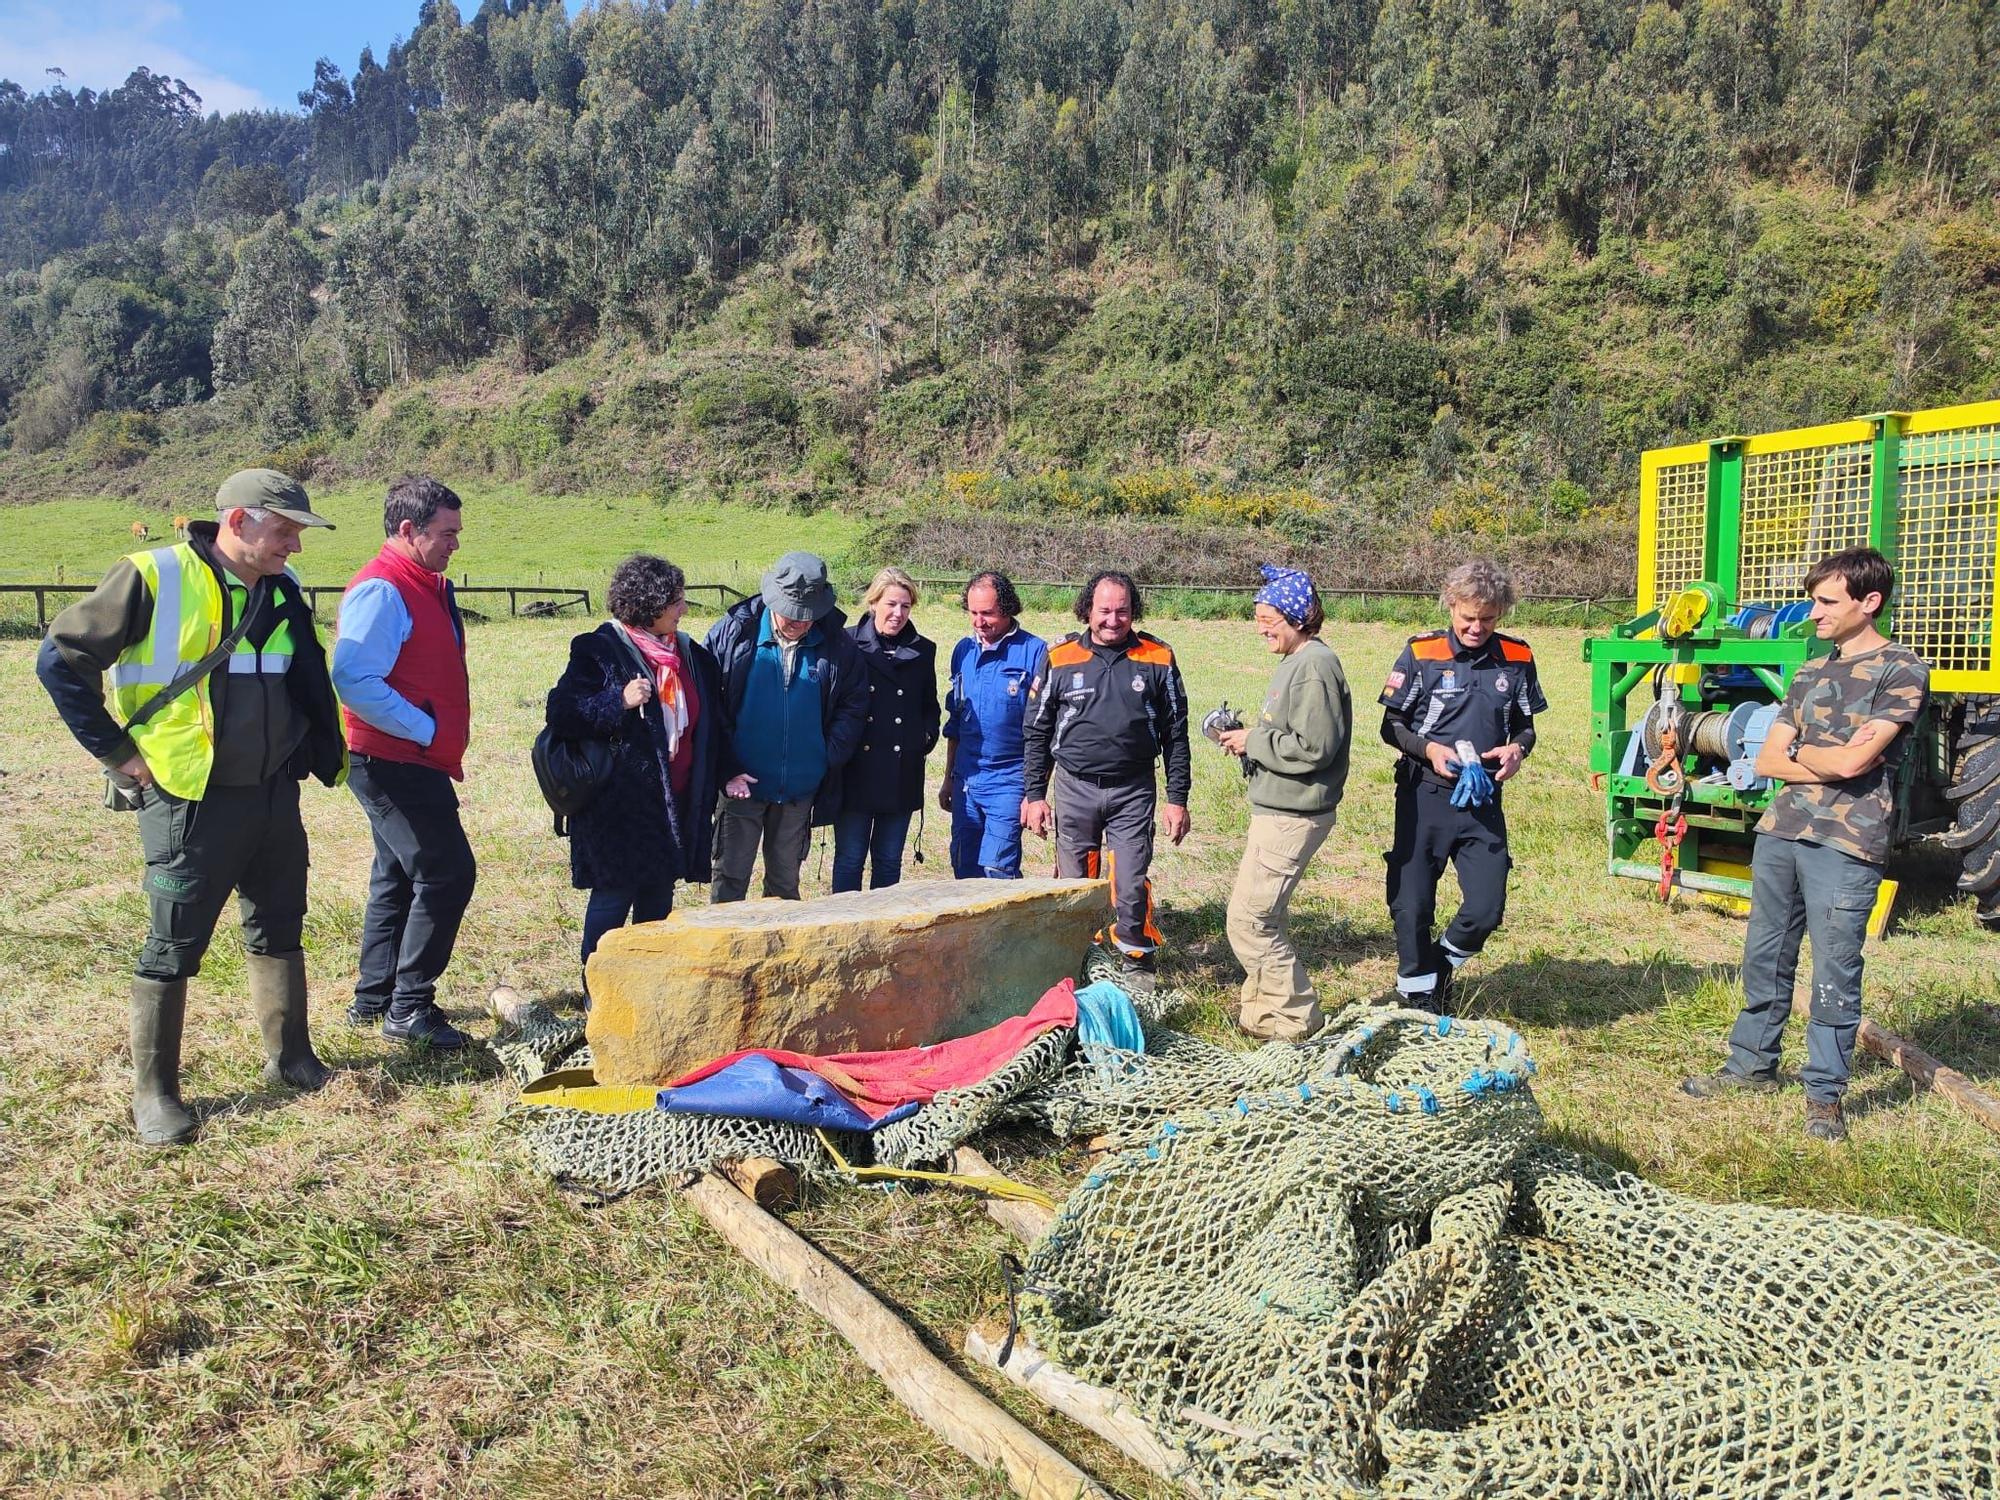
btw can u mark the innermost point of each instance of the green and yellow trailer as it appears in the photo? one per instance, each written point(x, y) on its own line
point(1683, 693)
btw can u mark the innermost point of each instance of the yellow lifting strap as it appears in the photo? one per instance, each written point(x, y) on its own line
point(992, 1187)
point(578, 1088)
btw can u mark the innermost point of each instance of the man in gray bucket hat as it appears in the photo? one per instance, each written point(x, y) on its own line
point(794, 701)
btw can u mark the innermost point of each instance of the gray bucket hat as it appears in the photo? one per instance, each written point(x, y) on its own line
point(267, 489)
point(796, 587)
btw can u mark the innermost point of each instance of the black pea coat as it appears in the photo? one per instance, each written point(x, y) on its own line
point(887, 772)
point(634, 833)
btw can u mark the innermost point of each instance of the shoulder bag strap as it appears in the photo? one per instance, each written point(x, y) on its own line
point(224, 649)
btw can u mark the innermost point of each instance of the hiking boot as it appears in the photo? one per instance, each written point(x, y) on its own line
point(278, 996)
point(1726, 1081)
point(1824, 1122)
point(159, 1009)
point(1137, 975)
point(425, 1027)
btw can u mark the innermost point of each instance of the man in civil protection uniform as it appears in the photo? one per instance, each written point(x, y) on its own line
point(1108, 705)
point(1835, 748)
point(1460, 705)
point(215, 770)
point(991, 672)
point(399, 665)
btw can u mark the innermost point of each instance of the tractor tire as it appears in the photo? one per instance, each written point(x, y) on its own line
point(1977, 769)
point(1981, 876)
point(1978, 821)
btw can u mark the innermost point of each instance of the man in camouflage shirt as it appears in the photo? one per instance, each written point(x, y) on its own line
point(1836, 747)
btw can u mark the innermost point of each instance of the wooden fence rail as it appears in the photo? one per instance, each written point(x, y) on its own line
point(541, 599)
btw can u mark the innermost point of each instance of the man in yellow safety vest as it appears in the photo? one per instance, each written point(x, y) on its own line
point(220, 704)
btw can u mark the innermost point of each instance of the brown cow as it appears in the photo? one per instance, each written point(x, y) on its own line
point(181, 527)
point(140, 531)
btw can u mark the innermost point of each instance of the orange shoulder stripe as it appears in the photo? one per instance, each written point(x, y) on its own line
point(1431, 648)
point(1068, 654)
point(1146, 649)
point(1514, 650)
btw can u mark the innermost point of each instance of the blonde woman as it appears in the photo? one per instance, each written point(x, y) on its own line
point(884, 783)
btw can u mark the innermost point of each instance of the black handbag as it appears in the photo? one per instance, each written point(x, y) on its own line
point(570, 773)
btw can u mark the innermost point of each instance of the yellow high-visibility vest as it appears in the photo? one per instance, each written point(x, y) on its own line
point(179, 741)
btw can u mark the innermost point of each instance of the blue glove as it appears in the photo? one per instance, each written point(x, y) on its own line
point(1474, 787)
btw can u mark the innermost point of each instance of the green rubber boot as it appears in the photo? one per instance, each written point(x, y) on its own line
point(278, 995)
point(159, 1009)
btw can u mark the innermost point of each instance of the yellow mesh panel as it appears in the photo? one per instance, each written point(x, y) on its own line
point(1798, 505)
point(1948, 507)
point(1680, 509)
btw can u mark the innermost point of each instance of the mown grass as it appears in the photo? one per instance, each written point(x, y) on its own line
point(511, 536)
point(366, 1292)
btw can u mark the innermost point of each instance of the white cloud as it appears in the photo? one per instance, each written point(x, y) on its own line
point(97, 45)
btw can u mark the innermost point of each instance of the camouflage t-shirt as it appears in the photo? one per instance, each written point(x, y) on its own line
point(1828, 701)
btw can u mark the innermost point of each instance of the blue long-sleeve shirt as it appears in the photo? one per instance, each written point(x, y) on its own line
point(374, 623)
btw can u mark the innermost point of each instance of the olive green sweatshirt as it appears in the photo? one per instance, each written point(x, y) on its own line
point(1297, 750)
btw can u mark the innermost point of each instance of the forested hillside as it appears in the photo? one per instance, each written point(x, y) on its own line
point(1213, 275)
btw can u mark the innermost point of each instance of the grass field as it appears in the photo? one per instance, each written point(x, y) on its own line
point(508, 536)
point(365, 1292)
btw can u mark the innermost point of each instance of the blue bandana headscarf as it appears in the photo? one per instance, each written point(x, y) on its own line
point(1288, 591)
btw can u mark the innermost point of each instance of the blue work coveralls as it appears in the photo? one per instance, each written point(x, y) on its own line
point(984, 710)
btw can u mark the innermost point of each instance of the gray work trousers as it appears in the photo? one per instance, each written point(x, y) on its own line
point(784, 829)
point(243, 838)
point(1119, 819)
point(1799, 890)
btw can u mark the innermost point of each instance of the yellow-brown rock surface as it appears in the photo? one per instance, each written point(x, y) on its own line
point(866, 971)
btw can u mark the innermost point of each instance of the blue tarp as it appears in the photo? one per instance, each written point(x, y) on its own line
point(756, 1088)
point(1105, 1018)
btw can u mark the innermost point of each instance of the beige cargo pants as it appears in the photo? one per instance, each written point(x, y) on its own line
point(1277, 1001)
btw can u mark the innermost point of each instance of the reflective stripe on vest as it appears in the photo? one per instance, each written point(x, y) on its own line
point(179, 741)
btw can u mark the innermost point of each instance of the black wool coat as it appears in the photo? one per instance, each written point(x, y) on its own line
point(887, 772)
point(634, 833)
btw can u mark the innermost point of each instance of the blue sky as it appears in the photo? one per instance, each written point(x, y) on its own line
point(237, 54)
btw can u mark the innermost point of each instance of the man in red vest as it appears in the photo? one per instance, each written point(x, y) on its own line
point(400, 667)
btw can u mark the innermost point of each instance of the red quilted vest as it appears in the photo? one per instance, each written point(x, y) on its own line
point(430, 671)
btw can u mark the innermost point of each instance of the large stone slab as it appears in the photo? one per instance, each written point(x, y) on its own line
point(871, 970)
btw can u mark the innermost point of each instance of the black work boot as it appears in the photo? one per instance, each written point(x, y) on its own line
point(278, 995)
point(159, 1009)
point(424, 1026)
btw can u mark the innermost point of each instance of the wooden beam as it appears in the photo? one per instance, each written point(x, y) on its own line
point(1103, 1412)
point(950, 1406)
point(1027, 1222)
point(766, 1183)
point(1970, 1099)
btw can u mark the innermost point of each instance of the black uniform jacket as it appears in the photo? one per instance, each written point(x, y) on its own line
point(1106, 713)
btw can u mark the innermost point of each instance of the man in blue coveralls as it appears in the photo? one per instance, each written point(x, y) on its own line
point(991, 670)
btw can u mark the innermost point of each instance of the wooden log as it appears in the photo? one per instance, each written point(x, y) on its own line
point(1103, 1412)
point(1970, 1099)
point(1027, 1222)
point(940, 1399)
point(766, 1183)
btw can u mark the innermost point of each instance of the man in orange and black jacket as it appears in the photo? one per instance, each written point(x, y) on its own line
point(1107, 705)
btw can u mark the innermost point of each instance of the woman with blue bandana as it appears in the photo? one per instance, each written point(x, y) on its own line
point(1295, 754)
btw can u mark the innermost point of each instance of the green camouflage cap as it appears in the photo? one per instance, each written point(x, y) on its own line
point(267, 489)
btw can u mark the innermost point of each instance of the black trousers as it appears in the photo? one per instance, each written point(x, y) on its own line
point(419, 888)
point(243, 838)
point(1431, 834)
